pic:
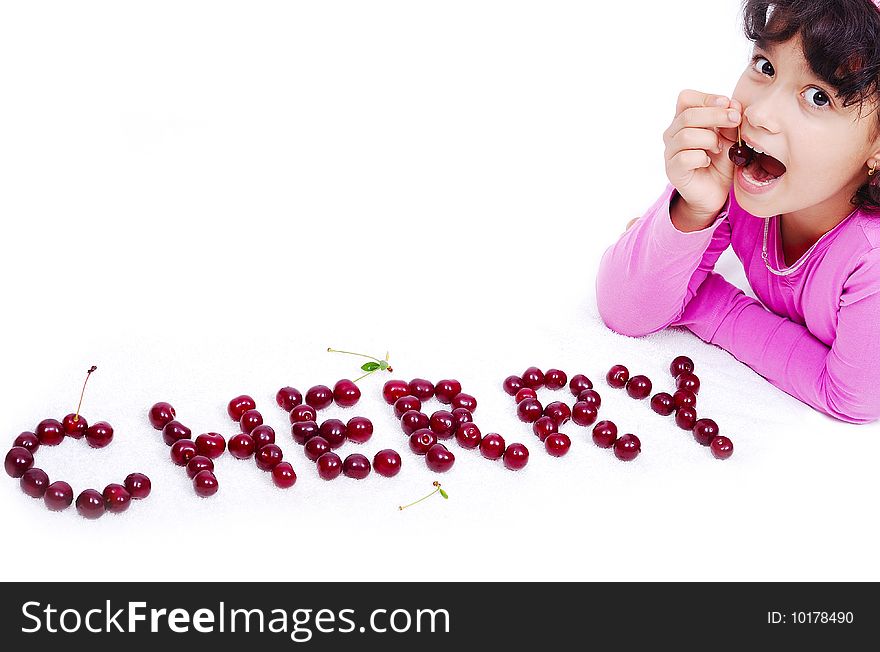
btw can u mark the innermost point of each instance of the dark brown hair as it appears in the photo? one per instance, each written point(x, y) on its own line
point(841, 43)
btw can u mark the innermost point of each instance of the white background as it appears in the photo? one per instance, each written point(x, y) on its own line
point(200, 197)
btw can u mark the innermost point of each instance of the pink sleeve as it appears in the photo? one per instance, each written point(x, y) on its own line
point(648, 276)
point(841, 380)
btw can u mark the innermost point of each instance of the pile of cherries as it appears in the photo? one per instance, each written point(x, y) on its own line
point(58, 495)
point(257, 439)
point(683, 403)
point(425, 432)
point(197, 456)
point(321, 441)
point(546, 421)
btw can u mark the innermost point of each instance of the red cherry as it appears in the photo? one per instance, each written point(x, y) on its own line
point(160, 414)
point(741, 155)
point(50, 432)
point(686, 380)
point(359, 430)
point(413, 420)
point(465, 401)
point(422, 389)
point(393, 390)
point(558, 411)
point(99, 434)
point(686, 417)
point(533, 377)
point(590, 396)
point(684, 398)
point(315, 447)
point(579, 383)
point(492, 446)
point(18, 460)
point(524, 393)
point(387, 462)
point(439, 459)
point(241, 446)
point(302, 431)
point(468, 435)
point(303, 413)
point(138, 485)
point(27, 440)
point(319, 397)
point(268, 457)
point(512, 384)
point(627, 448)
point(250, 420)
point(205, 484)
point(239, 405)
point(405, 404)
point(288, 398)
point(333, 430)
point(557, 444)
point(584, 414)
point(555, 379)
point(663, 404)
point(544, 426)
point(445, 390)
point(638, 387)
point(116, 498)
point(722, 447)
point(516, 456)
point(346, 393)
point(261, 435)
point(182, 451)
point(175, 431)
point(212, 444)
point(58, 496)
point(74, 426)
point(198, 463)
point(705, 430)
point(329, 466)
point(34, 482)
point(90, 504)
point(604, 434)
point(443, 424)
point(283, 475)
point(529, 410)
point(617, 376)
point(421, 440)
point(461, 415)
point(356, 466)
point(681, 364)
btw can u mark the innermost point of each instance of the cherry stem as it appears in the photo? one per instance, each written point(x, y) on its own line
point(437, 489)
point(739, 135)
point(364, 376)
point(88, 373)
point(329, 350)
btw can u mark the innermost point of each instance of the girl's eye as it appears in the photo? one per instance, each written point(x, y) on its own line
point(819, 97)
point(763, 68)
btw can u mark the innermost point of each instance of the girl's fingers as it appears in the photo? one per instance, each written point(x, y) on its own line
point(685, 161)
point(693, 138)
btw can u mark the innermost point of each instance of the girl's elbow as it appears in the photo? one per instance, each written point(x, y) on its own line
point(853, 410)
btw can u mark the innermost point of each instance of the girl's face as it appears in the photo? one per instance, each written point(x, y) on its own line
point(795, 117)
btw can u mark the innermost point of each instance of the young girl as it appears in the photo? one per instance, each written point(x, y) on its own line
point(803, 215)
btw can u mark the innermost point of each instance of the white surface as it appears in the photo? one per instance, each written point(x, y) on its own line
point(201, 197)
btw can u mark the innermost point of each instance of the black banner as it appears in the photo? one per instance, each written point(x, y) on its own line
point(429, 616)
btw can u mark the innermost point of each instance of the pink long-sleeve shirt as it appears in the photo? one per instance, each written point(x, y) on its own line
point(818, 338)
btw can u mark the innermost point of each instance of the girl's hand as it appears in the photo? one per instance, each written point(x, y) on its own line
point(697, 164)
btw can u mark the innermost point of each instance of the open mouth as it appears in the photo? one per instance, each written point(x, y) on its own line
point(762, 169)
